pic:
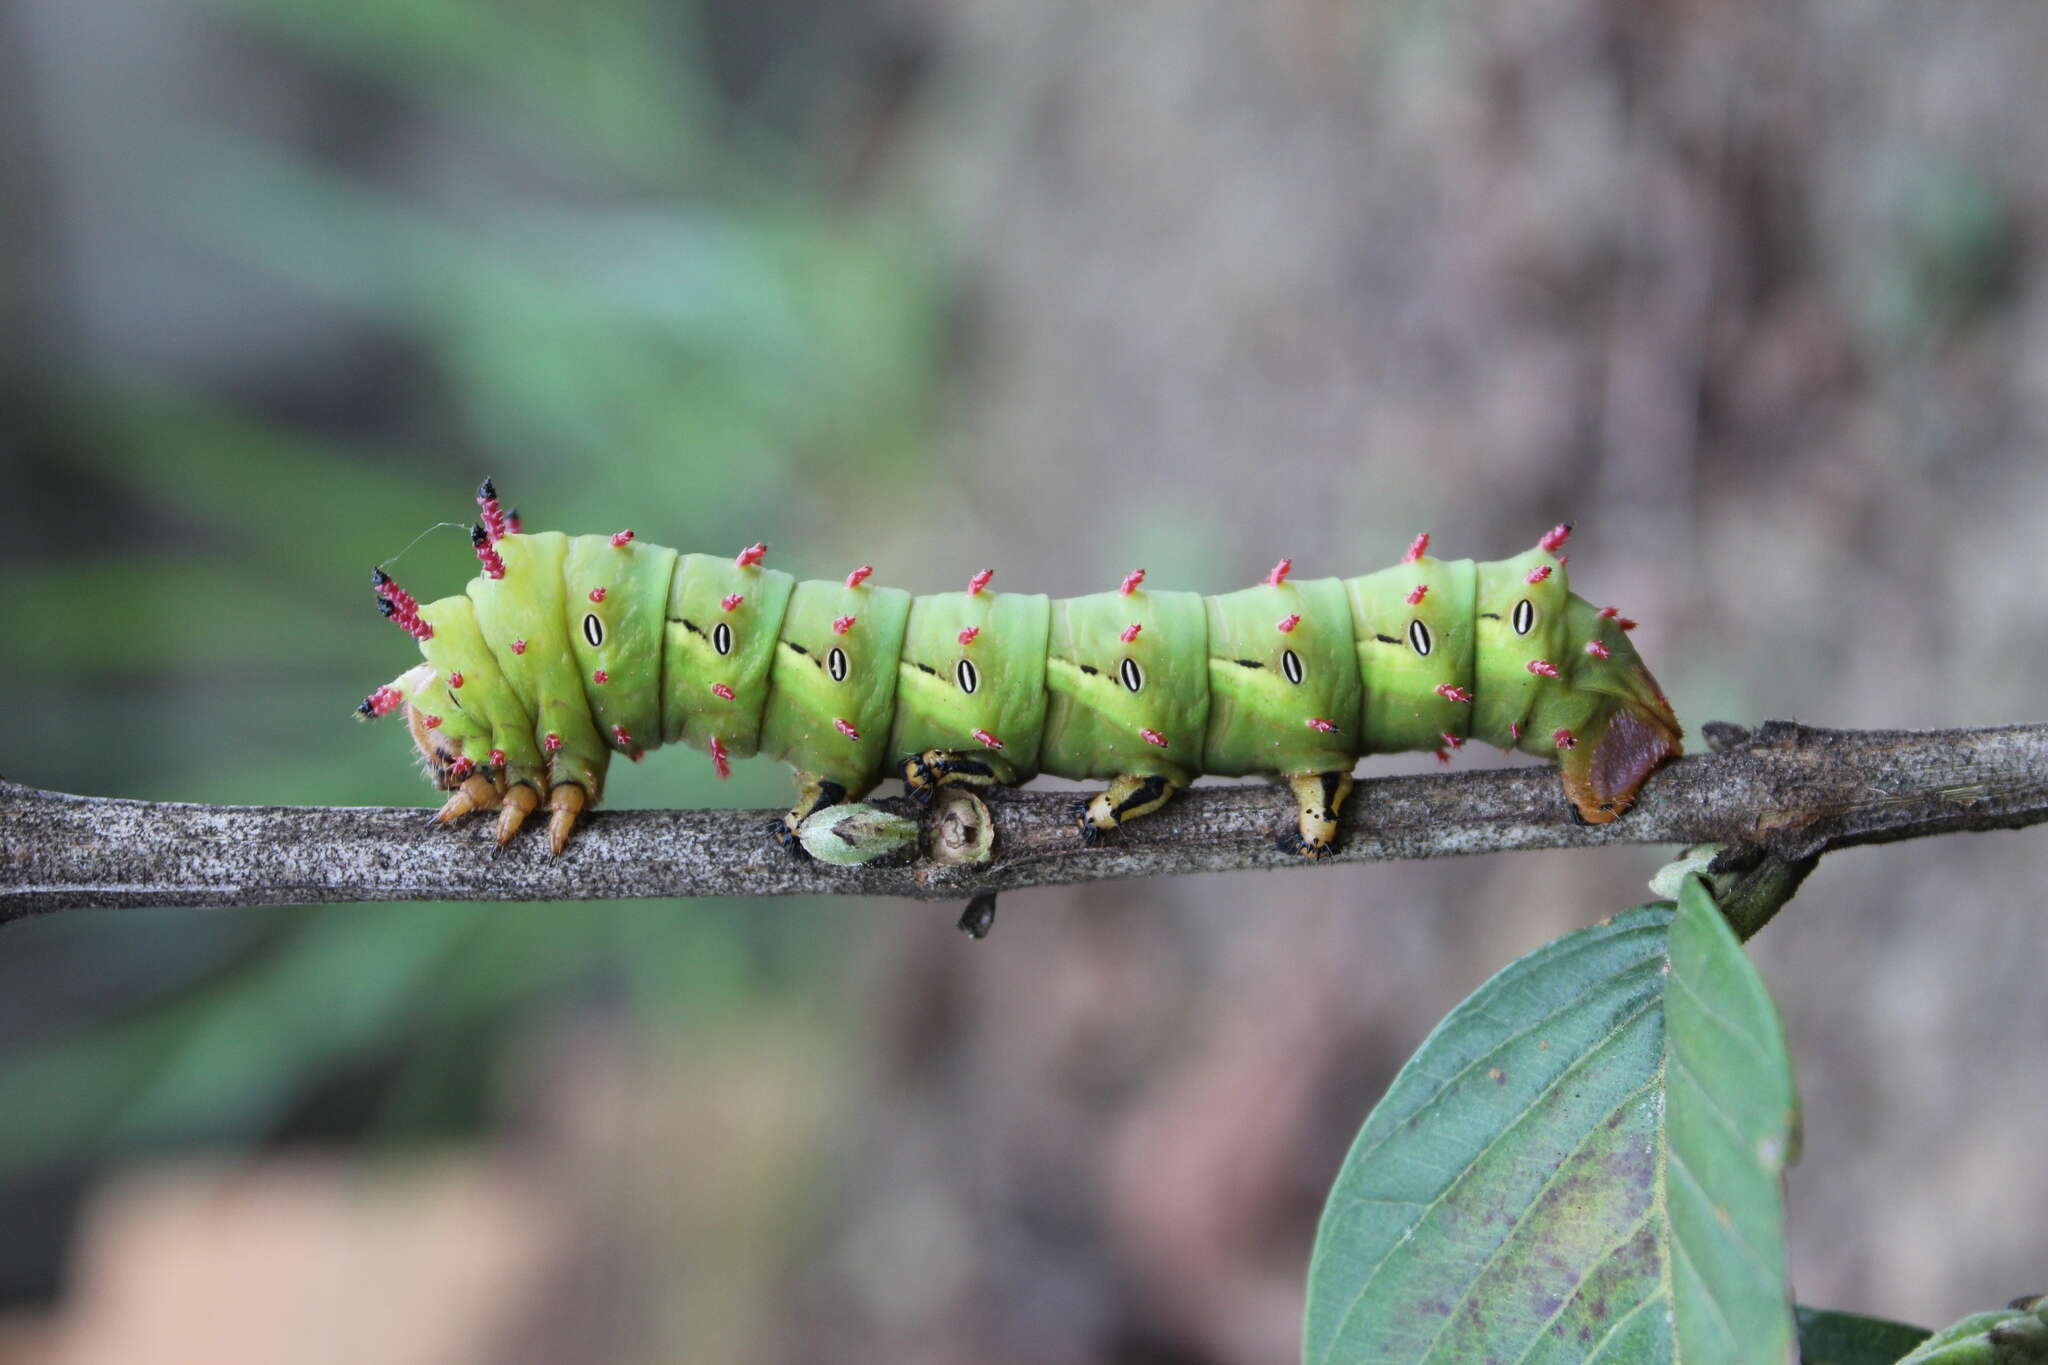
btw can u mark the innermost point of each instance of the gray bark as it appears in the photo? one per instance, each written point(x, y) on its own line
point(1790, 791)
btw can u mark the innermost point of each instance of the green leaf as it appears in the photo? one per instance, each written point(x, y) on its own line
point(2017, 1335)
point(1829, 1338)
point(1582, 1163)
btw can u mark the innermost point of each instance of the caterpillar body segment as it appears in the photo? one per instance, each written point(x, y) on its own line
point(973, 668)
point(1412, 632)
point(566, 651)
point(832, 689)
point(724, 624)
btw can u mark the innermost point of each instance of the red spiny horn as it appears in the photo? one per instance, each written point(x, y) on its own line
point(1538, 574)
point(1130, 632)
point(842, 624)
point(399, 605)
point(1417, 548)
point(1131, 582)
point(494, 520)
point(494, 567)
point(620, 539)
point(751, 556)
point(1557, 536)
point(1286, 624)
point(979, 581)
point(1417, 593)
point(512, 522)
point(967, 636)
point(859, 576)
point(1280, 572)
point(730, 601)
point(382, 702)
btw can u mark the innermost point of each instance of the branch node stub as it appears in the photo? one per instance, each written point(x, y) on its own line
point(962, 830)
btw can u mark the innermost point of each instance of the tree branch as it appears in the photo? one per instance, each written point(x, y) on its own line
point(1788, 790)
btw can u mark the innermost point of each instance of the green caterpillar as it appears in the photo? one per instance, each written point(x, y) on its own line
point(566, 651)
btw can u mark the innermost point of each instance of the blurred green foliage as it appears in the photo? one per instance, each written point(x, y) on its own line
point(665, 313)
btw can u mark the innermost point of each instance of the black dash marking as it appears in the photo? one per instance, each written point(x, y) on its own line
point(1386, 639)
point(1249, 663)
point(927, 668)
point(797, 647)
point(1090, 669)
point(1490, 615)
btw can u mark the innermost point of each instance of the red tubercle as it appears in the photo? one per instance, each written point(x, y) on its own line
point(1515, 731)
point(551, 741)
point(1538, 574)
point(719, 763)
point(1563, 738)
point(494, 567)
point(967, 636)
point(1556, 536)
point(1130, 632)
point(1286, 624)
point(621, 738)
point(843, 728)
point(979, 581)
point(597, 594)
point(1417, 548)
point(431, 722)
point(730, 602)
point(1596, 649)
point(1442, 756)
point(1417, 593)
point(988, 741)
point(461, 768)
point(842, 624)
point(751, 556)
point(519, 646)
point(620, 539)
point(399, 605)
point(455, 680)
point(1280, 572)
point(494, 521)
point(859, 576)
point(1131, 582)
point(1152, 737)
point(1624, 623)
point(497, 758)
point(600, 677)
point(635, 755)
point(1319, 724)
point(382, 702)
point(1563, 560)
point(1609, 613)
point(1542, 668)
point(721, 691)
point(1450, 693)
point(1452, 741)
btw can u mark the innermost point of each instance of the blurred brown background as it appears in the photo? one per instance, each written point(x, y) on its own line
point(1752, 293)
